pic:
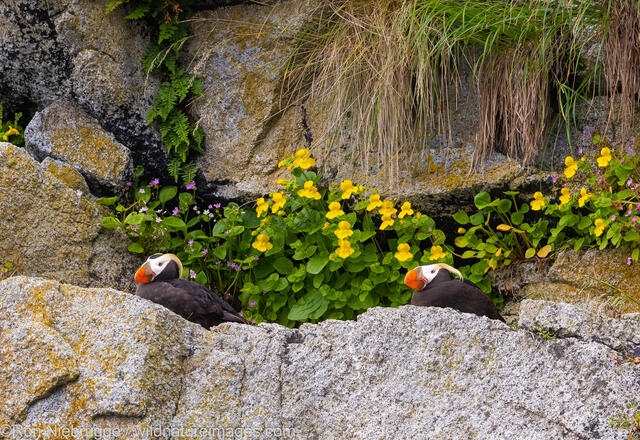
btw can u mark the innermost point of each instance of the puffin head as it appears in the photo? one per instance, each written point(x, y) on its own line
point(419, 277)
point(159, 267)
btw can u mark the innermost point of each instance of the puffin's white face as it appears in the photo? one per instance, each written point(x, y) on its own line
point(419, 277)
point(154, 266)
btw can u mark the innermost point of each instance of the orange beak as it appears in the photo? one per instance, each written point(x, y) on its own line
point(144, 274)
point(412, 280)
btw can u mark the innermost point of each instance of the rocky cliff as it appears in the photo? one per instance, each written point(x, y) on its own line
point(107, 362)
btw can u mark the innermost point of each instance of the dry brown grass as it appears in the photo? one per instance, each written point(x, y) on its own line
point(622, 61)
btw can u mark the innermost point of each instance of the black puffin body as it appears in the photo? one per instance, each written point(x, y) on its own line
point(159, 281)
point(439, 289)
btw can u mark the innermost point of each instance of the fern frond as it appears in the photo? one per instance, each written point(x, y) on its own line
point(174, 168)
point(180, 125)
point(139, 12)
point(196, 86)
point(165, 100)
point(180, 83)
point(188, 172)
point(152, 58)
point(167, 31)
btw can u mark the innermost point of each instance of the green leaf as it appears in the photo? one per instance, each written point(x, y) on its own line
point(134, 218)
point(504, 205)
point(316, 264)
point(310, 306)
point(461, 241)
point(517, 218)
point(283, 265)
point(135, 247)
point(220, 252)
point(482, 199)
point(139, 12)
point(110, 222)
point(167, 193)
point(529, 253)
point(461, 217)
point(468, 254)
point(595, 140)
point(107, 201)
point(476, 219)
point(174, 222)
point(634, 254)
point(544, 251)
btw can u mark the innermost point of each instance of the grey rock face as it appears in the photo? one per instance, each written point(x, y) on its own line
point(72, 50)
point(63, 131)
point(49, 229)
point(411, 372)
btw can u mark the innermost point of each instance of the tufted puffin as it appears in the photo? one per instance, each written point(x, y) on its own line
point(433, 286)
point(159, 281)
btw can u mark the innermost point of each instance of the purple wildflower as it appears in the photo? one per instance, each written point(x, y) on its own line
point(191, 185)
point(632, 139)
point(217, 205)
point(580, 150)
point(144, 209)
point(554, 178)
point(256, 258)
point(634, 219)
point(630, 181)
point(154, 182)
point(629, 261)
point(158, 219)
point(613, 144)
point(190, 242)
point(252, 303)
point(205, 252)
point(175, 211)
point(252, 321)
point(192, 274)
point(141, 191)
point(78, 192)
point(243, 213)
point(613, 218)
point(210, 206)
point(129, 183)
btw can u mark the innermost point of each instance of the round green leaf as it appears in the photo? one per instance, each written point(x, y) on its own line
point(461, 217)
point(283, 265)
point(134, 218)
point(530, 253)
point(476, 219)
point(174, 222)
point(482, 199)
point(110, 222)
point(107, 201)
point(167, 193)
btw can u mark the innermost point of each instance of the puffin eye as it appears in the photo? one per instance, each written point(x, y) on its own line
point(433, 271)
point(160, 264)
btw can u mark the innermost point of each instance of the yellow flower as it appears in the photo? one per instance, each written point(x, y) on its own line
point(605, 157)
point(282, 181)
point(403, 253)
point(347, 188)
point(326, 225)
point(282, 163)
point(344, 249)
point(538, 201)
point(360, 188)
point(334, 210)
point(280, 213)
point(386, 221)
point(461, 230)
point(565, 197)
point(309, 191)
point(344, 230)
point(265, 220)
point(572, 167)
point(303, 159)
point(278, 201)
point(418, 215)
point(599, 227)
point(262, 243)
point(405, 209)
point(12, 131)
point(436, 253)
point(387, 209)
point(374, 202)
point(262, 206)
point(584, 196)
